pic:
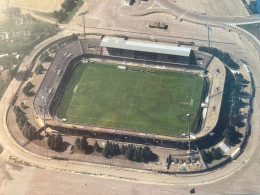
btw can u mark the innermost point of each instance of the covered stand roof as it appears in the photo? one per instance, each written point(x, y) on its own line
point(145, 46)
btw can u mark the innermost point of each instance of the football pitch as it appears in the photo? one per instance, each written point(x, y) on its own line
point(102, 95)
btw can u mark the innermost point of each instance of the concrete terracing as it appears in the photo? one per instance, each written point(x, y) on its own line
point(216, 75)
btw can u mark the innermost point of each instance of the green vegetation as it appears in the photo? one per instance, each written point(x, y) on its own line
point(214, 154)
point(23, 37)
point(45, 14)
point(102, 95)
point(23, 44)
point(223, 56)
point(236, 102)
point(131, 152)
point(54, 141)
point(97, 147)
point(3, 86)
point(39, 69)
point(81, 143)
point(230, 115)
point(69, 9)
point(26, 128)
point(27, 89)
point(45, 57)
point(229, 134)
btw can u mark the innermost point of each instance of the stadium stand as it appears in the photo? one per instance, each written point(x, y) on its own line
point(216, 75)
point(90, 46)
point(145, 51)
point(54, 75)
point(58, 75)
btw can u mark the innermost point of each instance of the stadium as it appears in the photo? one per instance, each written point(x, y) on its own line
point(131, 90)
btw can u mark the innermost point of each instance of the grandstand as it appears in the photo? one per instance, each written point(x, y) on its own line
point(145, 51)
point(58, 75)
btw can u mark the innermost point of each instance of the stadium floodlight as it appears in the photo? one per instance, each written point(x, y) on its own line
point(187, 117)
point(83, 15)
point(209, 29)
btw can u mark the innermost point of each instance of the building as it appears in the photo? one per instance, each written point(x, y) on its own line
point(145, 51)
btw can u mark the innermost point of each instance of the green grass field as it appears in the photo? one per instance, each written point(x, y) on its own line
point(102, 95)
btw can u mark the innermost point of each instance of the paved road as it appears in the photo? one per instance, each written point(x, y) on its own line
point(229, 179)
point(191, 16)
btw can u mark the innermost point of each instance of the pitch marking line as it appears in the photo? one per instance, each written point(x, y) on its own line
point(133, 96)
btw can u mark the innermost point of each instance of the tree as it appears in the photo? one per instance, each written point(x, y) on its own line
point(146, 153)
point(81, 143)
point(68, 5)
point(207, 156)
point(229, 134)
point(60, 15)
point(96, 146)
point(105, 151)
point(54, 141)
point(216, 153)
point(45, 57)
point(77, 142)
point(135, 155)
point(130, 152)
point(27, 89)
point(39, 69)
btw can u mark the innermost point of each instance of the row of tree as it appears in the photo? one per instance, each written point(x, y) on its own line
point(111, 149)
point(209, 156)
point(237, 103)
point(67, 6)
point(131, 152)
point(223, 56)
point(27, 129)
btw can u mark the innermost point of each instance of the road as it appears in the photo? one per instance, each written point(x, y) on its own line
point(60, 176)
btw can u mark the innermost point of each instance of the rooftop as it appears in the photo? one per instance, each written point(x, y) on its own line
point(145, 46)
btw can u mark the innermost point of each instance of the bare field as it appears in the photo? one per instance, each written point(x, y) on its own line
point(214, 8)
point(37, 5)
point(2, 17)
point(3, 5)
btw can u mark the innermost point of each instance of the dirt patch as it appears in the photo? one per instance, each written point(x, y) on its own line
point(37, 5)
point(2, 17)
point(5, 76)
